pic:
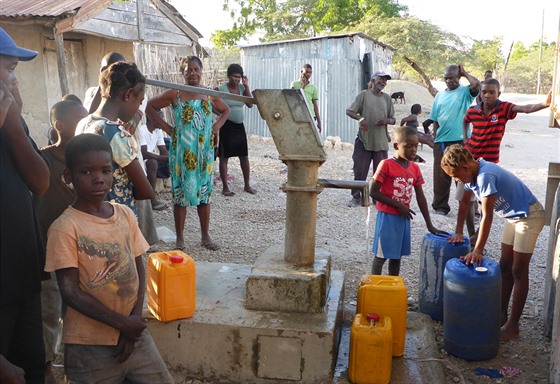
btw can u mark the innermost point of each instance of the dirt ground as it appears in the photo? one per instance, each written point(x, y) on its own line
point(245, 225)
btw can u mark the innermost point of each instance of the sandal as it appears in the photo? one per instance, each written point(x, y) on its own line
point(210, 245)
point(228, 193)
point(250, 190)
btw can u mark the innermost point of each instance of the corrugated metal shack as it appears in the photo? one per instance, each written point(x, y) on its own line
point(342, 65)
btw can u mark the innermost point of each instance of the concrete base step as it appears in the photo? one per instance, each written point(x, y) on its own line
point(226, 342)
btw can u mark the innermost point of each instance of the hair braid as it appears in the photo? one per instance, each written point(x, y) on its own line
point(454, 156)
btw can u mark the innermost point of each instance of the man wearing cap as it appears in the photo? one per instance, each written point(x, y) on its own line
point(22, 169)
point(374, 111)
point(447, 113)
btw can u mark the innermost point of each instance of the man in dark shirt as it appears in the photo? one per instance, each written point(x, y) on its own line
point(22, 169)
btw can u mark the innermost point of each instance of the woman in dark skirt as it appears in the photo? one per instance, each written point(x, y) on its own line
point(233, 139)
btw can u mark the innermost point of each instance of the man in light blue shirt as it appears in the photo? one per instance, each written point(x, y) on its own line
point(448, 110)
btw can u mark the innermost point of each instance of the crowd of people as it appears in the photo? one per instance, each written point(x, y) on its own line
point(76, 210)
point(466, 145)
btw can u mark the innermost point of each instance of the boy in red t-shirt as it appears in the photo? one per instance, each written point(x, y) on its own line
point(392, 189)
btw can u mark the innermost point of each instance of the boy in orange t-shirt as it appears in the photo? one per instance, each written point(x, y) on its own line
point(96, 249)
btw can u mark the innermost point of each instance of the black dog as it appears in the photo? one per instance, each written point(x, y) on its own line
point(397, 96)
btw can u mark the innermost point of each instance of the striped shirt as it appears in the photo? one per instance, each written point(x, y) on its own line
point(488, 131)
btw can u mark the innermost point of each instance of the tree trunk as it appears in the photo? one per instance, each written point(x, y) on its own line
point(425, 78)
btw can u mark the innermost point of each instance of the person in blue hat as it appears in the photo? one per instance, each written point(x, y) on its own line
point(22, 256)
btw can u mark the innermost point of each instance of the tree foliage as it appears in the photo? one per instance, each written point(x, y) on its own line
point(522, 71)
point(518, 51)
point(423, 49)
point(285, 19)
point(485, 55)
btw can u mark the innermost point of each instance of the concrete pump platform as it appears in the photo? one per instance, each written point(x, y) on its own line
point(226, 342)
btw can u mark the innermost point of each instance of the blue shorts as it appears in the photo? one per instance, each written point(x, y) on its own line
point(392, 236)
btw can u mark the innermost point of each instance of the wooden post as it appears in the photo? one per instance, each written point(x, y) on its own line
point(552, 278)
point(554, 372)
point(61, 60)
point(140, 18)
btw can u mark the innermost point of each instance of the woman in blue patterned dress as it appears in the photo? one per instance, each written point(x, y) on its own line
point(191, 152)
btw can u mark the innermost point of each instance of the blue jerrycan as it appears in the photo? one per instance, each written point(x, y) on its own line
point(435, 252)
point(471, 309)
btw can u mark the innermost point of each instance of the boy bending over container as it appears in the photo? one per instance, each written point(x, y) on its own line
point(502, 192)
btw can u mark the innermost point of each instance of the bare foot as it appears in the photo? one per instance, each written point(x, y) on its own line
point(509, 331)
point(209, 244)
point(503, 320)
point(180, 245)
point(250, 190)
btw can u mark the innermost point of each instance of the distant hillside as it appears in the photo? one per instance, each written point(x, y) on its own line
point(413, 93)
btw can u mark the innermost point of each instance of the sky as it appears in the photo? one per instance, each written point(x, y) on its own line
point(515, 20)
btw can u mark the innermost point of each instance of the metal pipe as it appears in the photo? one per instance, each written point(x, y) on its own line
point(301, 212)
point(348, 184)
point(200, 90)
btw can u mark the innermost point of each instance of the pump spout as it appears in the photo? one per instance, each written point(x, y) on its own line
point(348, 184)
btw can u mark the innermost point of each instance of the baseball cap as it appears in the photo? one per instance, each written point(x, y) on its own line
point(9, 48)
point(381, 74)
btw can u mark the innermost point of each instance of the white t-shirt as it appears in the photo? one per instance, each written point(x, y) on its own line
point(151, 139)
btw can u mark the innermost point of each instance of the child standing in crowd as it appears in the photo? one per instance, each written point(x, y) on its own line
point(412, 121)
point(489, 119)
point(155, 155)
point(122, 91)
point(392, 189)
point(64, 117)
point(502, 192)
point(96, 249)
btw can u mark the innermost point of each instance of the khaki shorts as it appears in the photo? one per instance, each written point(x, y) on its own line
point(460, 191)
point(523, 233)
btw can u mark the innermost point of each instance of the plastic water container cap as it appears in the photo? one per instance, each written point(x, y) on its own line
point(365, 279)
point(176, 258)
point(372, 317)
point(481, 269)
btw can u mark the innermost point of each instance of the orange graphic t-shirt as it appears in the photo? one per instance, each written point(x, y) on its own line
point(104, 251)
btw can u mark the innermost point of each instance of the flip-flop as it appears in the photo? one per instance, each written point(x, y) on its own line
point(228, 193)
point(210, 245)
point(250, 190)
